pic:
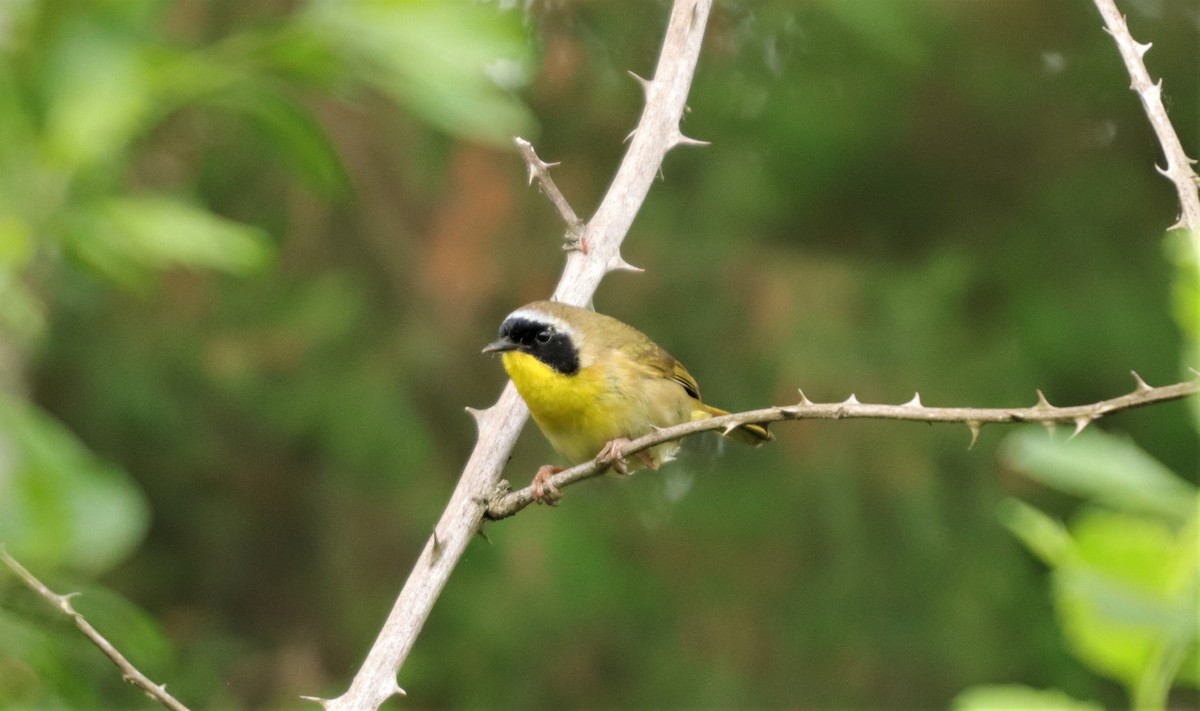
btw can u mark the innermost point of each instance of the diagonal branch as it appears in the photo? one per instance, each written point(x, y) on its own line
point(540, 170)
point(158, 692)
point(1179, 166)
point(656, 133)
point(506, 503)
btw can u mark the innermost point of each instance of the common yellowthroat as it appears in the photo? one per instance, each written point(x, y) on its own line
point(593, 383)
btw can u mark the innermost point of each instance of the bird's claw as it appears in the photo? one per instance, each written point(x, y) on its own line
point(613, 455)
point(543, 490)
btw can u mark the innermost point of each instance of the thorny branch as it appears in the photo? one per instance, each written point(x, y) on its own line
point(594, 251)
point(158, 692)
point(506, 503)
point(1179, 166)
point(657, 132)
point(540, 170)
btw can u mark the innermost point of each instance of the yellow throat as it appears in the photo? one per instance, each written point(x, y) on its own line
point(569, 409)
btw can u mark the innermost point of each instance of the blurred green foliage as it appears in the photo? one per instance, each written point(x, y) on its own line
point(1126, 570)
point(249, 253)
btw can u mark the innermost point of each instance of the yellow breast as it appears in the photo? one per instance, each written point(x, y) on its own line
point(582, 412)
point(567, 408)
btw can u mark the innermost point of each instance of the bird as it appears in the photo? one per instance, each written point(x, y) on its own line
point(594, 383)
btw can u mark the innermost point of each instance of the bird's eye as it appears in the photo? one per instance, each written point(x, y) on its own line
point(544, 336)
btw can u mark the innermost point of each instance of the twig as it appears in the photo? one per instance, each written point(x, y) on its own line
point(1179, 166)
point(158, 692)
point(540, 170)
point(506, 503)
point(656, 133)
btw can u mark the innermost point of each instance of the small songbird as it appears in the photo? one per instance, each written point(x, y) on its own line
point(593, 383)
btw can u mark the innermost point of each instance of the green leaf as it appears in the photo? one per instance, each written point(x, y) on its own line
point(1185, 301)
point(1129, 593)
point(59, 504)
point(453, 64)
point(1015, 697)
point(22, 313)
point(1104, 468)
point(1044, 536)
point(97, 95)
point(126, 238)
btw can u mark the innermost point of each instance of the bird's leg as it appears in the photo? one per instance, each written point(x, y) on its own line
point(613, 454)
point(543, 490)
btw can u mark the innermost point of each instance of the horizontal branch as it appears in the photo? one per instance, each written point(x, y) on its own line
point(505, 503)
point(158, 692)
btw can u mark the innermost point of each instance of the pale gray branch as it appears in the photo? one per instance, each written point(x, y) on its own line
point(1179, 167)
point(540, 170)
point(656, 133)
point(158, 692)
point(503, 503)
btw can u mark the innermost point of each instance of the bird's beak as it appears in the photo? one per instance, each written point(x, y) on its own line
point(501, 345)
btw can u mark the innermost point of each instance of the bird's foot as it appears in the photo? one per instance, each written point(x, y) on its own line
point(613, 455)
point(543, 490)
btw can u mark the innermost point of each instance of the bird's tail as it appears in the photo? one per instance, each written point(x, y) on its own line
point(748, 434)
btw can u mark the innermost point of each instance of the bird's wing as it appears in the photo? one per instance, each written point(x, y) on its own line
point(661, 364)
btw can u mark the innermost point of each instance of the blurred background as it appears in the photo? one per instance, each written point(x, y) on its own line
point(249, 253)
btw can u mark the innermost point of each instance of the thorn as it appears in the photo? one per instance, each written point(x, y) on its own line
point(477, 416)
point(1051, 426)
point(915, 402)
point(618, 263)
point(1165, 172)
point(803, 398)
point(975, 427)
point(1194, 372)
point(537, 166)
point(1142, 48)
point(630, 136)
point(678, 139)
point(729, 428)
point(644, 83)
point(1042, 403)
point(1179, 224)
point(397, 691)
point(1080, 422)
point(852, 400)
point(437, 547)
point(64, 602)
point(318, 700)
point(1142, 387)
